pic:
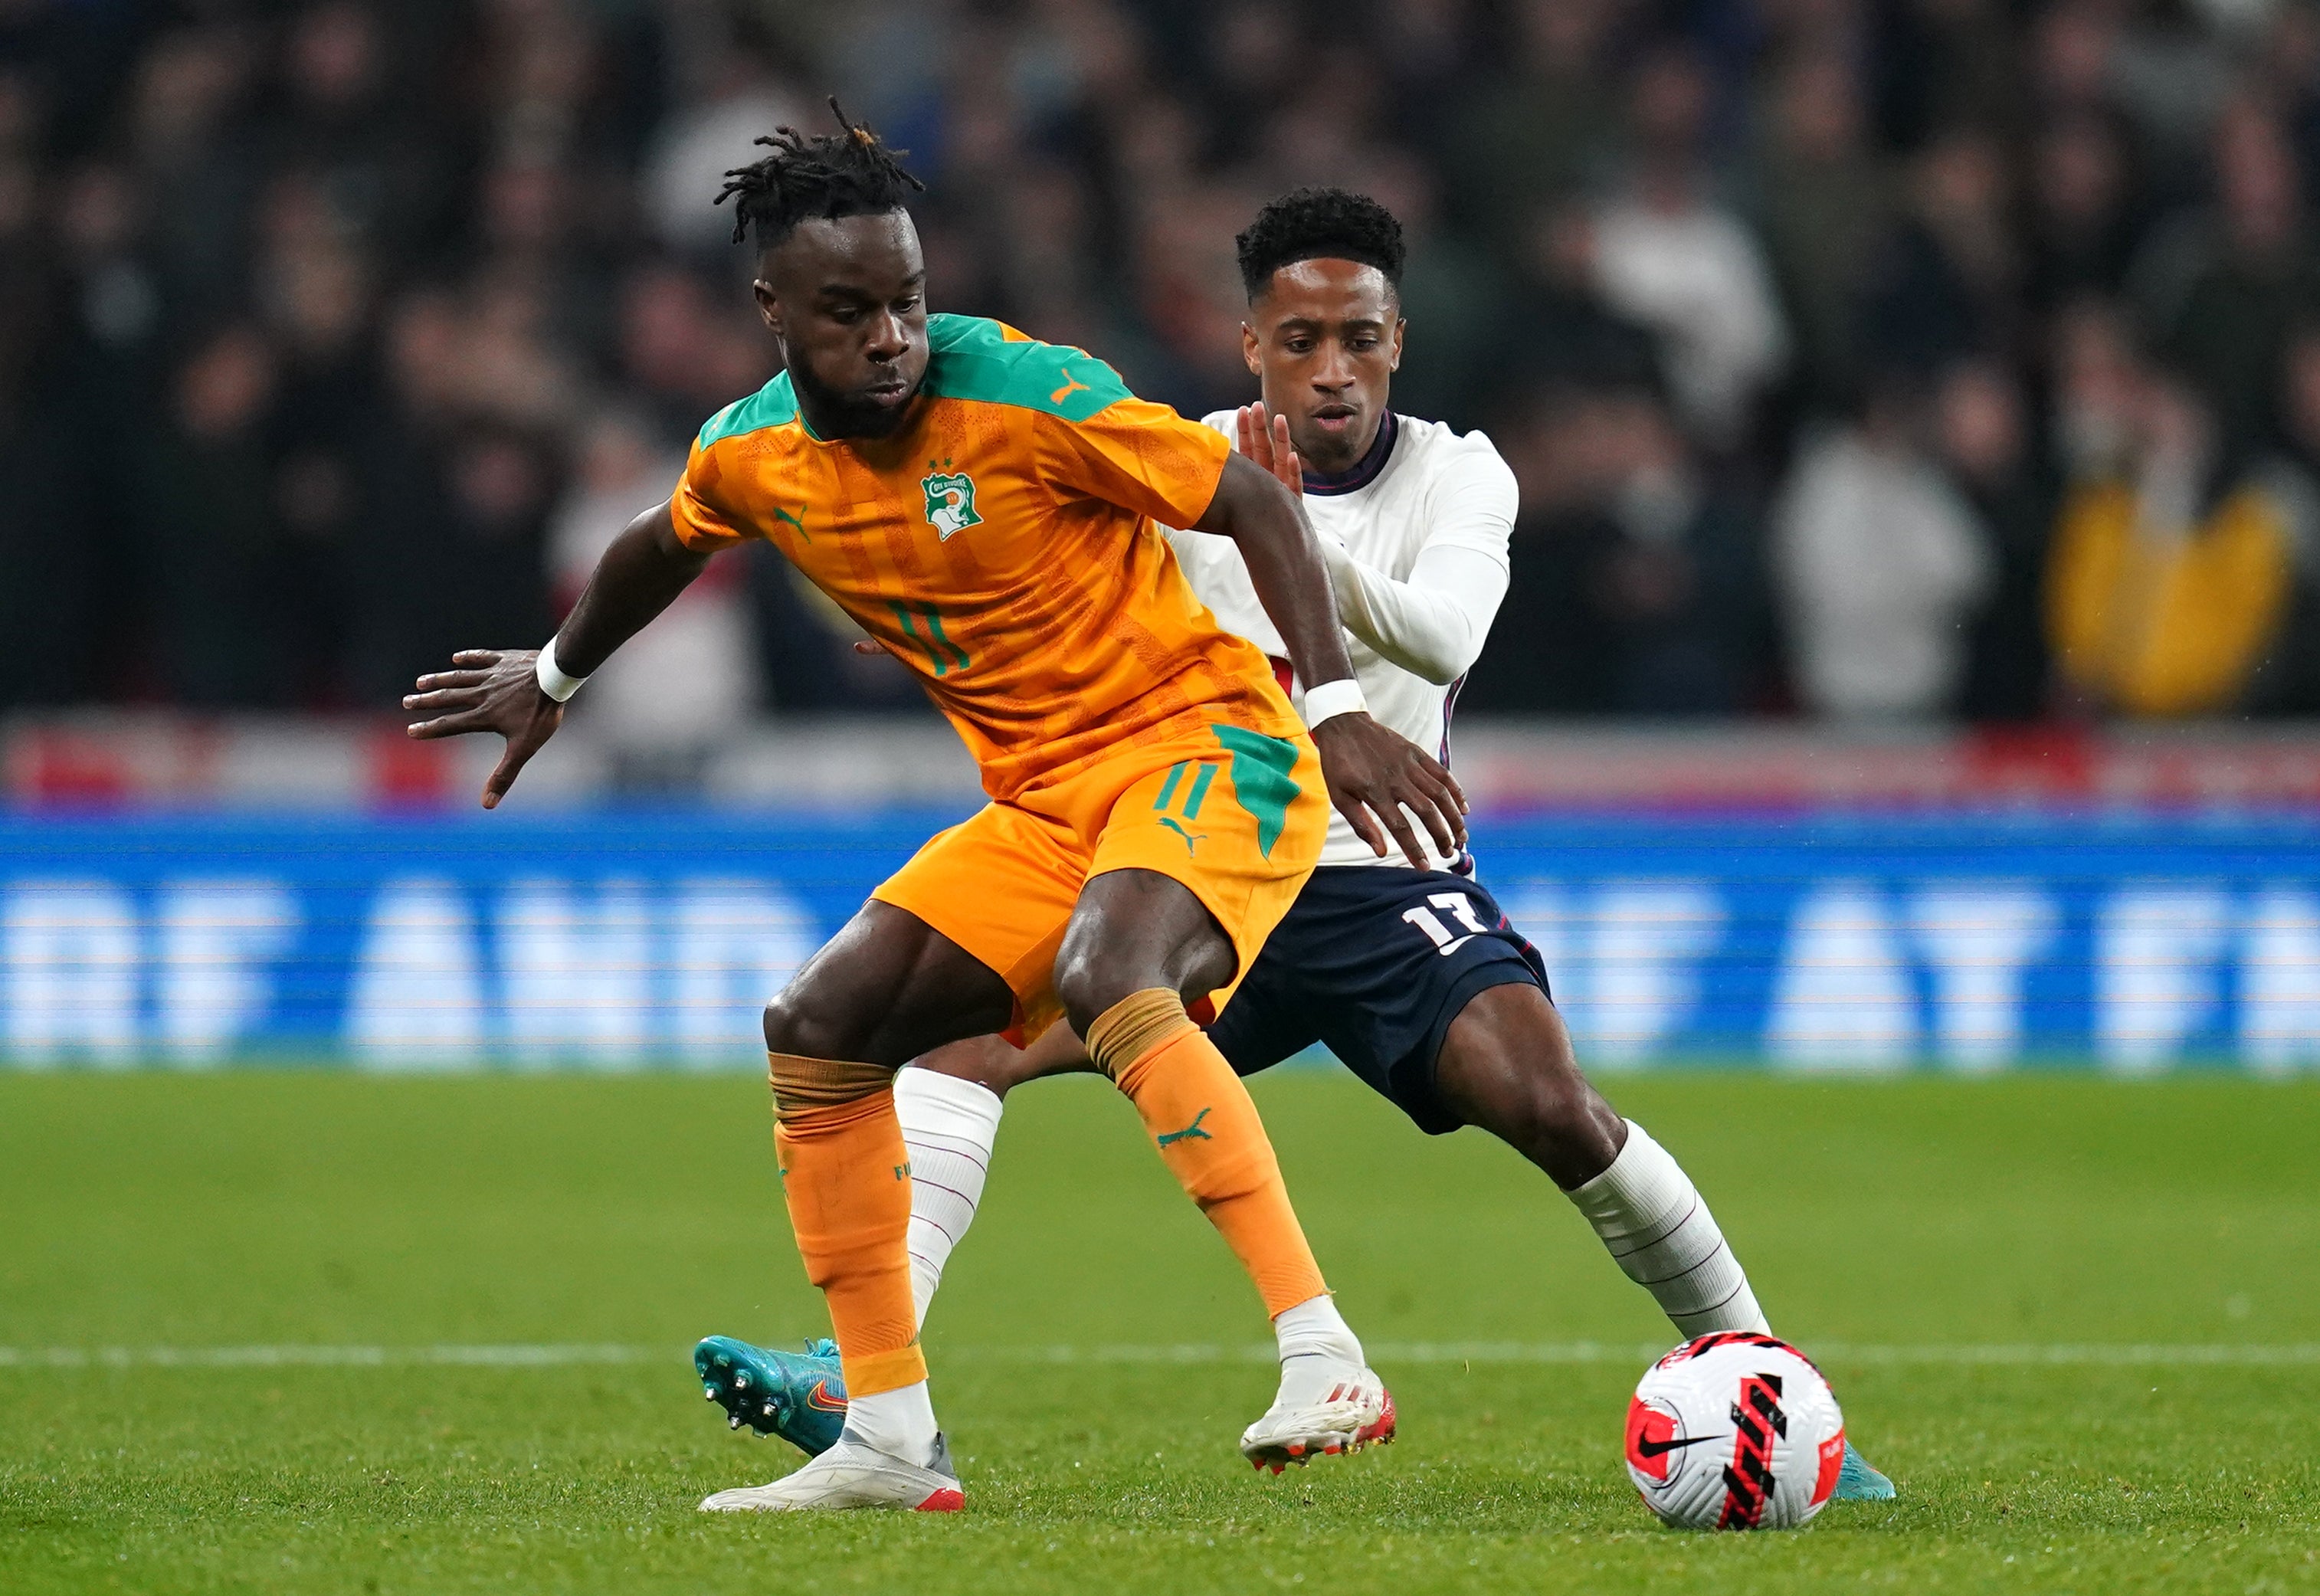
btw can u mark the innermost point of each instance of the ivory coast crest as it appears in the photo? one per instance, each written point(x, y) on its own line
point(950, 502)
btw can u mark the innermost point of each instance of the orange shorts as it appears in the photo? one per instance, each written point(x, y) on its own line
point(1236, 816)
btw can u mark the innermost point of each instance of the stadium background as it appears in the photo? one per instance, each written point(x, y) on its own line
point(1917, 415)
point(1915, 403)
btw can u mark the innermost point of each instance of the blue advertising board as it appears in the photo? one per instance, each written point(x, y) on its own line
point(625, 940)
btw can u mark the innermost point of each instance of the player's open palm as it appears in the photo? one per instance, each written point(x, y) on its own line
point(489, 690)
point(1374, 774)
point(1264, 440)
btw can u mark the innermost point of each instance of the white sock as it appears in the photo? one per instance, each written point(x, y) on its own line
point(900, 1422)
point(1313, 1336)
point(1658, 1229)
point(948, 1126)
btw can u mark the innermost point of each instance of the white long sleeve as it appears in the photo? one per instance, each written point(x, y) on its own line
point(1432, 625)
point(1433, 622)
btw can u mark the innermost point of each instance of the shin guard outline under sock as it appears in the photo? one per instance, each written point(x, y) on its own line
point(948, 1126)
point(1657, 1228)
point(846, 1177)
point(1200, 1115)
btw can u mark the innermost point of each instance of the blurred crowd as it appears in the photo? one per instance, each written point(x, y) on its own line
point(1895, 358)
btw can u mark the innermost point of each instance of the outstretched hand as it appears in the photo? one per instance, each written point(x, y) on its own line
point(492, 690)
point(1373, 771)
point(1265, 440)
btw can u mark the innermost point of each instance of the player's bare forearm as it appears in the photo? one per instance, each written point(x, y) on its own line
point(498, 689)
point(1285, 563)
point(1377, 777)
point(640, 576)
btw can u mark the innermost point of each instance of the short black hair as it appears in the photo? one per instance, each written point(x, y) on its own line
point(848, 173)
point(1319, 224)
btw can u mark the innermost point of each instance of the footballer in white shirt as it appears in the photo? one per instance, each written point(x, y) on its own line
point(1403, 964)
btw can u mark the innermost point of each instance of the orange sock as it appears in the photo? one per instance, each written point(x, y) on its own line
point(1209, 1136)
point(848, 1179)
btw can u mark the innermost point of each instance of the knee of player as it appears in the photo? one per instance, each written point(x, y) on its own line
point(1546, 1103)
point(792, 1027)
point(1086, 986)
point(778, 1019)
point(1518, 1081)
point(1092, 978)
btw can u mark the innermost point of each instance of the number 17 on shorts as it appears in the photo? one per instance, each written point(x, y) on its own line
point(1460, 908)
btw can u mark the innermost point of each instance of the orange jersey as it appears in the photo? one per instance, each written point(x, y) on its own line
point(1003, 546)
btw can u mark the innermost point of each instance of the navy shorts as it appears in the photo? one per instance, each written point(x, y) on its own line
point(1376, 961)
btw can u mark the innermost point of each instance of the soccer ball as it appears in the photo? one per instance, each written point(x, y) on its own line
point(1735, 1431)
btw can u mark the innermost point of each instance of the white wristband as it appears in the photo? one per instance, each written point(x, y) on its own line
point(1341, 697)
point(551, 677)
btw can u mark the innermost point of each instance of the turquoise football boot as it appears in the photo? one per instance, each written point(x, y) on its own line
point(800, 1397)
point(1857, 1481)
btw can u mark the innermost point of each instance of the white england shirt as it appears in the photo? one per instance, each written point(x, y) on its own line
point(1415, 542)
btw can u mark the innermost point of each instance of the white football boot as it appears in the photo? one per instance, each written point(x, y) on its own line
point(1327, 1406)
point(851, 1474)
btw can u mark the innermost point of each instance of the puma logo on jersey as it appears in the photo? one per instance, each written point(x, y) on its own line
point(1072, 385)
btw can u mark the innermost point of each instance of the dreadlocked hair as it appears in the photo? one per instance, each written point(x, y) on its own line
point(1318, 224)
point(848, 173)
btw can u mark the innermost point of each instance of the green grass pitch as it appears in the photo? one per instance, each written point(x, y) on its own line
point(1893, 1228)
